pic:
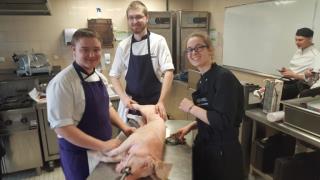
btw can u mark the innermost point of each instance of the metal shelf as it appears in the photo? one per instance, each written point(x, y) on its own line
point(265, 176)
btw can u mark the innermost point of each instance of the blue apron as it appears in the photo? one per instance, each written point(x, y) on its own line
point(95, 122)
point(142, 83)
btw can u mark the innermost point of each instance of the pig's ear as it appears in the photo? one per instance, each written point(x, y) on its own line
point(162, 169)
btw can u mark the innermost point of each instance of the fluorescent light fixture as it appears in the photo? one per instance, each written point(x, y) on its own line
point(283, 2)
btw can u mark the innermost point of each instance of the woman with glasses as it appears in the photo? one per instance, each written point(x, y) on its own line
point(218, 107)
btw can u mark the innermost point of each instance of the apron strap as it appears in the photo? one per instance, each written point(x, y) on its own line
point(79, 73)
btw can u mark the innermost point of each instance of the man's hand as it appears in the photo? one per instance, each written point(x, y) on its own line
point(282, 69)
point(161, 110)
point(127, 101)
point(111, 144)
point(308, 72)
point(288, 73)
point(128, 130)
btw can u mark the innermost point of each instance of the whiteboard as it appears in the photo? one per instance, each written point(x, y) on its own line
point(316, 25)
point(260, 36)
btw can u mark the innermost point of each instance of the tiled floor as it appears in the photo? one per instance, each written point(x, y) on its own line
point(57, 174)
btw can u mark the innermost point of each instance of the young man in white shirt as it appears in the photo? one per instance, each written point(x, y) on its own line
point(79, 108)
point(300, 62)
point(145, 60)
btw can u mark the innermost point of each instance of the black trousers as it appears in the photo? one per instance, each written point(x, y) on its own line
point(212, 162)
point(2, 153)
point(310, 92)
point(291, 89)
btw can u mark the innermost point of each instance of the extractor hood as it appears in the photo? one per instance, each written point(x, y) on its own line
point(24, 7)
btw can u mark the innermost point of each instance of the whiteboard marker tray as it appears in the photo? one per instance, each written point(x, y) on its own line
point(298, 115)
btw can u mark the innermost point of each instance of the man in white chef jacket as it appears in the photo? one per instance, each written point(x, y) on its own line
point(146, 61)
point(303, 59)
point(79, 108)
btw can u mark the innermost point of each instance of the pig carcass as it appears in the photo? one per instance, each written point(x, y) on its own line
point(143, 150)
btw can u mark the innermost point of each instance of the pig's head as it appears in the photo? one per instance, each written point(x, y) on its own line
point(144, 166)
point(162, 170)
point(147, 111)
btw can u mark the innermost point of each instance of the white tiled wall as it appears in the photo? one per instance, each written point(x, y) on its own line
point(45, 33)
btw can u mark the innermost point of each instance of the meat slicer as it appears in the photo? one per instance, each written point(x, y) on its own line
point(32, 63)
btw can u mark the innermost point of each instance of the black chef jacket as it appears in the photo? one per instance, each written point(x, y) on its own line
point(217, 152)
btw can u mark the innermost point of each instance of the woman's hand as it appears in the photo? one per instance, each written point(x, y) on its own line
point(182, 132)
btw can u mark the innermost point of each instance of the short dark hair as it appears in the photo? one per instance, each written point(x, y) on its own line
point(137, 5)
point(305, 32)
point(84, 32)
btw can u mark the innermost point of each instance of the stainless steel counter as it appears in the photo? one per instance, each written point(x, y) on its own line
point(259, 116)
point(178, 155)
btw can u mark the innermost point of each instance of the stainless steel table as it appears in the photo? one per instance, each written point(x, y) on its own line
point(258, 116)
point(178, 155)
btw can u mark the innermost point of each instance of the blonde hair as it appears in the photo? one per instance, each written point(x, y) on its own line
point(137, 5)
point(205, 38)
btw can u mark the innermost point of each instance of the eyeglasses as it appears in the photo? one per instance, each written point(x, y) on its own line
point(195, 49)
point(137, 18)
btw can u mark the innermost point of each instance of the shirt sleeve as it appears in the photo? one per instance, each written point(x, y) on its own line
point(227, 103)
point(60, 104)
point(165, 58)
point(316, 63)
point(118, 63)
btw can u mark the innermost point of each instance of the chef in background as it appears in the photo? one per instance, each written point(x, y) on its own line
point(218, 107)
point(146, 61)
point(79, 108)
point(303, 59)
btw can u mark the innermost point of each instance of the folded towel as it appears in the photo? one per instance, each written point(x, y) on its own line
point(93, 159)
point(275, 116)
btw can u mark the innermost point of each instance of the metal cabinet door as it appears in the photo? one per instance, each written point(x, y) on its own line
point(51, 136)
point(22, 150)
